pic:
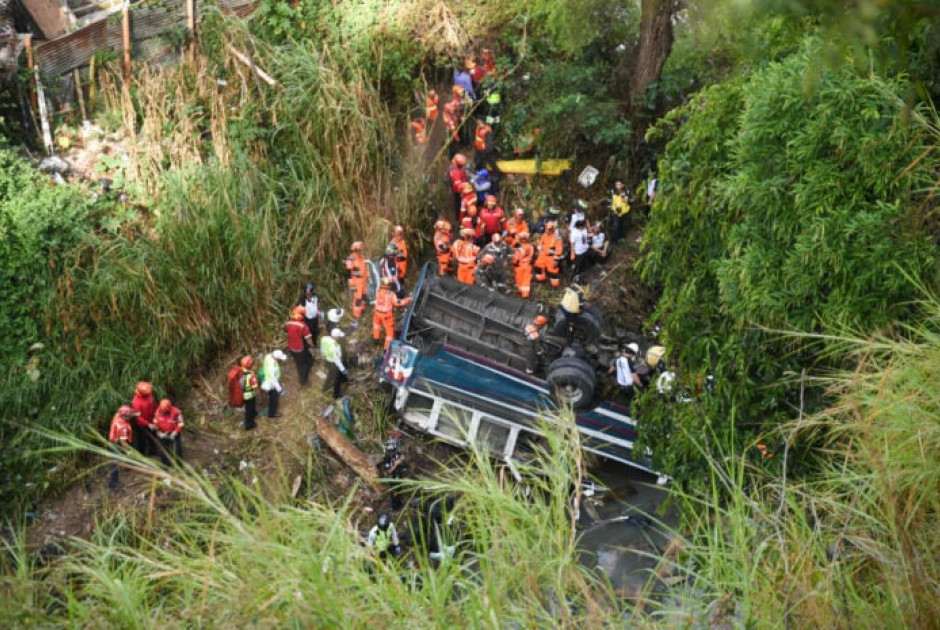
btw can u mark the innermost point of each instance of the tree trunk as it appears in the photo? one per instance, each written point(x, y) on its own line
point(652, 50)
point(354, 458)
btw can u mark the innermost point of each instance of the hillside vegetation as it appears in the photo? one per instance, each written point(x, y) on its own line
point(793, 242)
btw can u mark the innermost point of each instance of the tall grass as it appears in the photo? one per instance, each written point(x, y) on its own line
point(852, 546)
point(248, 560)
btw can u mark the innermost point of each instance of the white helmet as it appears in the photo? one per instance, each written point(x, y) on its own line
point(337, 333)
point(335, 315)
point(632, 347)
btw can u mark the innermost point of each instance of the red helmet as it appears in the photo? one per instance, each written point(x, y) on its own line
point(540, 320)
point(246, 362)
point(165, 405)
point(125, 411)
point(491, 200)
point(299, 312)
point(144, 388)
point(460, 159)
point(458, 90)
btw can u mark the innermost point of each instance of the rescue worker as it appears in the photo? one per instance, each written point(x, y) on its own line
point(451, 124)
point(383, 538)
point(553, 213)
point(145, 404)
point(333, 318)
point(431, 102)
point(549, 251)
point(419, 126)
point(465, 253)
point(249, 385)
point(383, 316)
point(120, 434)
point(468, 200)
point(460, 108)
point(619, 212)
point(357, 278)
point(442, 244)
point(455, 177)
point(388, 266)
point(483, 185)
point(485, 145)
point(472, 222)
point(463, 80)
point(571, 305)
point(515, 225)
point(169, 421)
point(484, 274)
point(492, 217)
point(534, 347)
point(311, 303)
point(271, 381)
point(398, 237)
point(627, 379)
point(487, 62)
point(476, 72)
point(500, 252)
point(393, 467)
point(331, 350)
point(299, 343)
point(522, 264)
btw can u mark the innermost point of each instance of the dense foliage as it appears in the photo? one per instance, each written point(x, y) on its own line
point(782, 209)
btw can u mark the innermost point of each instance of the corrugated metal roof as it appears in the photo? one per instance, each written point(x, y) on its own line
point(63, 54)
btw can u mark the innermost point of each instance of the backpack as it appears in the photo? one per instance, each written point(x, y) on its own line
point(236, 393)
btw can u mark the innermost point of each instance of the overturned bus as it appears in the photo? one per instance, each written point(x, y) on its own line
point(458, 368)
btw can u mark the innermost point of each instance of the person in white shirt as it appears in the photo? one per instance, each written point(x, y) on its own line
point(600, 246)
point(580, 245)
point(627, 378)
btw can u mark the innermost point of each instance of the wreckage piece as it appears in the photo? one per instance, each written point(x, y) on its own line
point(361, 463)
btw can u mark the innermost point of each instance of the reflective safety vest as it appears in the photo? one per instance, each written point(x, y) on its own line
point(386, 300)
point(466, 252)
point(523, 255)
point(249, 382)
point(384, 538)
point(330, 349)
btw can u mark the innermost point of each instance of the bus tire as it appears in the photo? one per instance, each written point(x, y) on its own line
point(573, 382)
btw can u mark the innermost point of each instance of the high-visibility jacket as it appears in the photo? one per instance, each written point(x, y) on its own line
point(381, 540)
point(356, 268)
point(493, 219)
point(120, 432)
point(331, 351)
point(431, 102)
point(523, 255)
point(442, 243)
point(550, 249)
point(466, 254)
point(479, 137)
point(469, 200)
point(249, 383)
point(419, 127)
point(402, 260)
point(456, 176)
point(386, 300)
point(619, 204)
point(513, 227)
point(146, 406)
point(170, 422)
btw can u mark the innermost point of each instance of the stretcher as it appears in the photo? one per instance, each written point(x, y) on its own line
point(534, 167)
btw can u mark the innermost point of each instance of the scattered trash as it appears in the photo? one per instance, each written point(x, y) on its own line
point(54, 164)
point(588, 176)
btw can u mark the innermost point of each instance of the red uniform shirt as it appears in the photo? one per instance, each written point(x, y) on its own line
point(146, 406)
point(297, 331)
point(120, 430)
point(170, 421)
point(457, 176)
point(493, 219)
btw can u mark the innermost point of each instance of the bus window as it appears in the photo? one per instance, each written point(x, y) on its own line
point(492, 436)
point(454, 422)
point(529, 444)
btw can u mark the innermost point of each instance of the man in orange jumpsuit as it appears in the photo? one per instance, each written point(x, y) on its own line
point(402, 258)
point(522, 264)
point(357, 278)
point(515, 225)
point(442, 244)
point(550, 250)
point(383, 317)
point(465, 252)
point(431, 102)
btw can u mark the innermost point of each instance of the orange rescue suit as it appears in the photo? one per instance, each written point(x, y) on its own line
point(522, 266)
point(442, 245)
point(383, 317)
point(550, 249)
point(358, 276)
point(466, 254)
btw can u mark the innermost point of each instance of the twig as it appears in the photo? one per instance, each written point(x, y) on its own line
point(245, 59)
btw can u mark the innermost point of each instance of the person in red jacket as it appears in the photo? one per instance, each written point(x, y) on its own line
point(145, 404)
point(456, 177)
point(431, 102)
point(468, 201)
point(493, 218)
point(120, 435)
point(169, 421)
point(299, 344)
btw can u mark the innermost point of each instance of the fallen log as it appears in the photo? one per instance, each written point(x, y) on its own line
point(245, 59)
point(352, 456)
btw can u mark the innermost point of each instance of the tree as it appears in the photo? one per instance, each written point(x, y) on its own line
point(653, 47)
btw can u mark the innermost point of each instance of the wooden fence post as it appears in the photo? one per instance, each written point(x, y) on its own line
point(191, 25)
point(126, 31)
